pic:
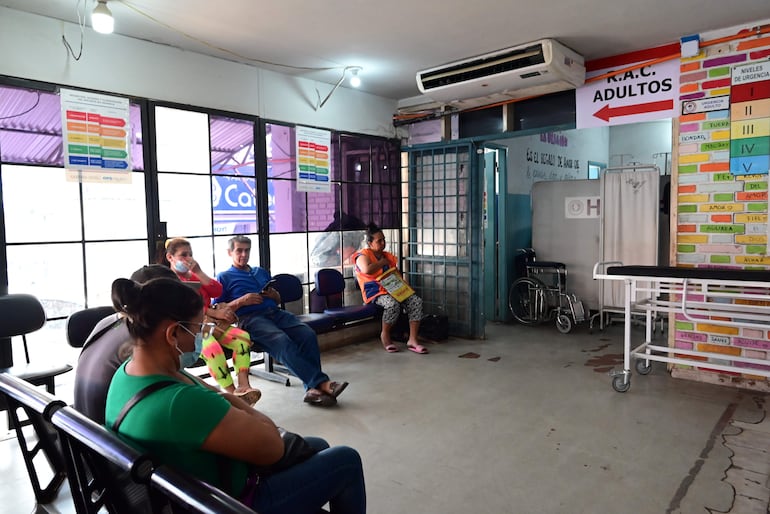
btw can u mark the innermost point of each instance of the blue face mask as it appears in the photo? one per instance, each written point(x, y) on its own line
point(187, 359)
point(181, 267)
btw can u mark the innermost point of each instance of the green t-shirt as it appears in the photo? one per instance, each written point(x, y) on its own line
point(172, 423)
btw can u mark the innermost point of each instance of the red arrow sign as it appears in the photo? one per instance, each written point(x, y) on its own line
point(607, 112)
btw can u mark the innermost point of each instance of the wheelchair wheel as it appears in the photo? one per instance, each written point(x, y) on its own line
point(527, 300)
point(563, 323)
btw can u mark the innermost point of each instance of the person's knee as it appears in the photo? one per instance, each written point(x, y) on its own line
point(348, 456)
point(318, 443)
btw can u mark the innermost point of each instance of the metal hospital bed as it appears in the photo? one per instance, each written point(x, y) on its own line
point(723, 297)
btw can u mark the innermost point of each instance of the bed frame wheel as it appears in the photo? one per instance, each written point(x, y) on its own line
point(643, 366)
point(621, 383)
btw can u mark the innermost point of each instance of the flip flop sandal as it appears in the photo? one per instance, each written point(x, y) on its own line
point(320, 399)
point(251, 396)
point(391, 348)
point(337, 388)
point(418, 349)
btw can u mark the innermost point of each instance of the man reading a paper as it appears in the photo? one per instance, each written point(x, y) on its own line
point(381, 283)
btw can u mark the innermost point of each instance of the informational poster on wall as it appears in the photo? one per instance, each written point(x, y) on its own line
point(95, 135)
point(750, 119)
point(313, 160)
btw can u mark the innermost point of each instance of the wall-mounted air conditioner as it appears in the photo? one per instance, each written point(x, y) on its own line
point(536, 68)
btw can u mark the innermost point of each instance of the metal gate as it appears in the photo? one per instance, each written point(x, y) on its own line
point(443, 234)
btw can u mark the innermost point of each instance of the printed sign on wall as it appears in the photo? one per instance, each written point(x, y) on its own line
point(95, 135)
point(313, 160)
point(644, 94)
point(750, 119)
point(582, 207)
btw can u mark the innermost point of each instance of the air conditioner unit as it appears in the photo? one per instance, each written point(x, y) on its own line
point(536, 68)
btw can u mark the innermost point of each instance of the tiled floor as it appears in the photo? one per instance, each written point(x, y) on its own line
point(523, 422)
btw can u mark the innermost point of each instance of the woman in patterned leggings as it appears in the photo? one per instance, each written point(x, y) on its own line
point(178, 256)
point(371, 263)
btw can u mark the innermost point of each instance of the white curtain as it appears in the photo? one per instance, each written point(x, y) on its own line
point(630, 206)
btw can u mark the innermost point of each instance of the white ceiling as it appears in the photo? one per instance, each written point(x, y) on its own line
point(394, 39)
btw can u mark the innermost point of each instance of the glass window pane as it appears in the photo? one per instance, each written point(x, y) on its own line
point(281, 151)
point(385, 162)
point(115, 211)
point(232, 146)
point(235, 205)
point(322, 208)
point(40, 205)
point(137, 152)
point(51, 272)
point(182, 140)
point(185, 204)
point(30, 127)
point(355, 158)
point(106, 262)
point(288, 254)
point(286, 206)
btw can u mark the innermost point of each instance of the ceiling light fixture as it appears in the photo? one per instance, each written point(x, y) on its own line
point(355, 81)
point(101, 18)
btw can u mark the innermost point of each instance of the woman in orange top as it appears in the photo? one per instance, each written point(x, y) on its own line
point(371, 263)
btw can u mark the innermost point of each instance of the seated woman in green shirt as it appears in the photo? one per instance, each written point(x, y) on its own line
point(193, 427)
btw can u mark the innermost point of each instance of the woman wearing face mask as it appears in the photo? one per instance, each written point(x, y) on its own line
point(179, 257)
point(190, 426)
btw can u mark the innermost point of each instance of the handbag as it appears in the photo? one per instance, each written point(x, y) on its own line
point(295, 451)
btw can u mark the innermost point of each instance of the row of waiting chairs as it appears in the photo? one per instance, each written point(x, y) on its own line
point(103, 471)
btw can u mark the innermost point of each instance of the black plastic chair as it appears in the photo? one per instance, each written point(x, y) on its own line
point(42, 450)
point(103, 470)
point(175, 492)
point(21, 314)
point(330, 285)
point(106, 472)
point(80, 324)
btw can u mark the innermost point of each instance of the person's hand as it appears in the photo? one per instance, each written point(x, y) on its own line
point(253, 299)
point(193, 265)
point(223, 313)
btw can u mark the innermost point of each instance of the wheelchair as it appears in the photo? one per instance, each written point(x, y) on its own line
point(539, 294)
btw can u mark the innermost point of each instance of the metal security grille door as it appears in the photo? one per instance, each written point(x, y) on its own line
point(443, 236)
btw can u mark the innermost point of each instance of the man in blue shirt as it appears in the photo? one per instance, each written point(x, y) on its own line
point(246, 291)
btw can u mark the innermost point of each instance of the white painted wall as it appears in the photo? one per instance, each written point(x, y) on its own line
point(31, 48)
point(641, 143)
point(563, 155)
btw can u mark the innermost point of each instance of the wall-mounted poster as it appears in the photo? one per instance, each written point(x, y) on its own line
point(95, 135)
point(313, 160)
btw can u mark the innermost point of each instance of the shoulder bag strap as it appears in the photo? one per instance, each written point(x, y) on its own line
point(137, 398)
point(103, 331)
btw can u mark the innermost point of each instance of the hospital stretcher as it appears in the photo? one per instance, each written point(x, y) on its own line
point(722, 297)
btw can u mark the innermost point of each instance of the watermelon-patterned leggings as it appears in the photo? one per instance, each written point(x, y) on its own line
point(234, 339)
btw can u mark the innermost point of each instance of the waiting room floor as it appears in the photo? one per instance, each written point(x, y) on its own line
point(525, 421)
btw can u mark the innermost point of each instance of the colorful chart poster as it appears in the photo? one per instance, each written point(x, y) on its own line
point(750, 119)
point(313, 160)
point(95, 135)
